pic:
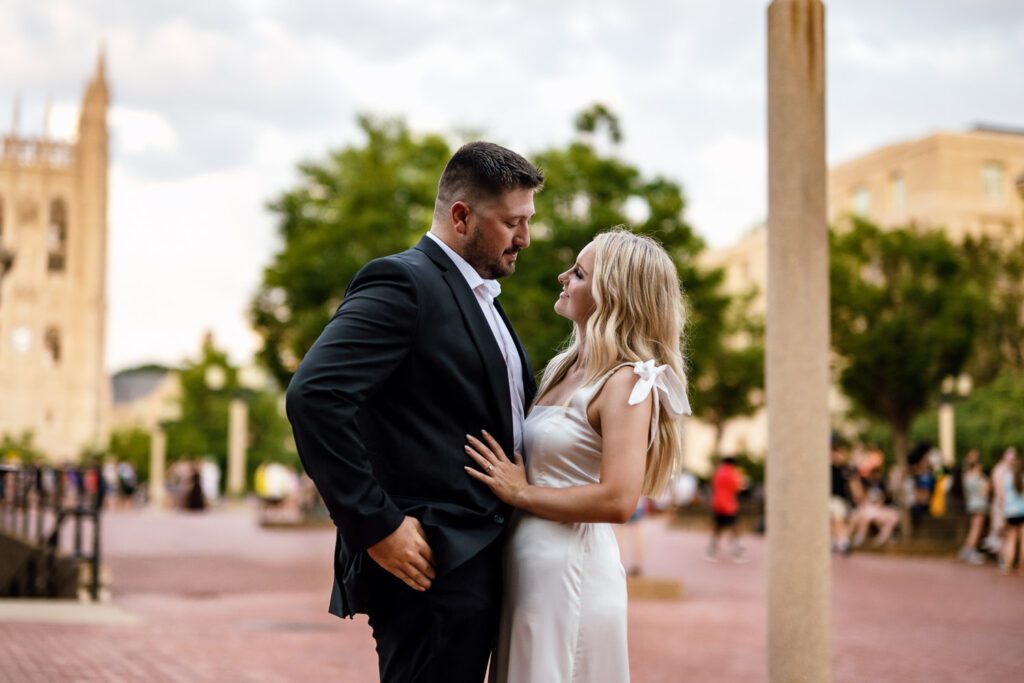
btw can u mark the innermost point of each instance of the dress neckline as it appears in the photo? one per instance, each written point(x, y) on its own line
point(596, 383)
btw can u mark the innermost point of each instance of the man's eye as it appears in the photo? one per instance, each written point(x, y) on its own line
point(512, 224)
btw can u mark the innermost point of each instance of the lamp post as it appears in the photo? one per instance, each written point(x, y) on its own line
point(953, 388)
point(169, 412)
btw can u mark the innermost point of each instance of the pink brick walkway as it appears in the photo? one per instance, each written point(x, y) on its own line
point(219, 599)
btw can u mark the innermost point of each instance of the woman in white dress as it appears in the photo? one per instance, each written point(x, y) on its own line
point(602, 431)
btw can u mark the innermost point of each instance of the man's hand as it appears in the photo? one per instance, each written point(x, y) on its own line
point(406, 554)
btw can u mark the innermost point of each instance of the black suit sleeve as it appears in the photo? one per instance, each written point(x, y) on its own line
point(365, 341)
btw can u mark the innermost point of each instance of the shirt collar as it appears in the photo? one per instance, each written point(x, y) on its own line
point(491, 287)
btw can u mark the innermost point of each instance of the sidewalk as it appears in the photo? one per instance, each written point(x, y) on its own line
point(214, 597)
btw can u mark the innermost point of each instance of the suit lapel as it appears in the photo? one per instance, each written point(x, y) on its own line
point(479, 331)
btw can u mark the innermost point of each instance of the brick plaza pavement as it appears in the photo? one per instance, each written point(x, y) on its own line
point(213, 597)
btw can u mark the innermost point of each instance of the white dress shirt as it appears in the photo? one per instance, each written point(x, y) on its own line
point(486, 291)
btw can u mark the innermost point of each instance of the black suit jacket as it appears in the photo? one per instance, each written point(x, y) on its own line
point(381, 405)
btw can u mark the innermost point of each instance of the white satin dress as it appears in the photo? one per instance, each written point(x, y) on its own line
point(564, 610)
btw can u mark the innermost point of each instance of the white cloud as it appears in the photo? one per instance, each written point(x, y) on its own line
point(727, 186)
point(140, 130)
point(214, 103)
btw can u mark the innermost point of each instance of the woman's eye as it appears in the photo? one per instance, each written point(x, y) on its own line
point(577, 273)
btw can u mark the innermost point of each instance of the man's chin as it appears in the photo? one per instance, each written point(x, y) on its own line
point(501, 270)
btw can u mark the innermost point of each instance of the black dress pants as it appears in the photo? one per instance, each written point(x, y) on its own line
point(442, 635)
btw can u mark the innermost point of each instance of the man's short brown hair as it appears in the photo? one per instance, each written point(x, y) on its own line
point(484, 169)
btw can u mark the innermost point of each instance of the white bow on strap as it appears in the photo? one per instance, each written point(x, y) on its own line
point(669, 389)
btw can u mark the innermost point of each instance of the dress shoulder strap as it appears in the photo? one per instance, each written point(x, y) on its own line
point(661, 380)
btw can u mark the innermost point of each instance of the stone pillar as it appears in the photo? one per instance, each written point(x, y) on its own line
point(947, 434)
point(238, 429)
point(797, 347)
point(157, 467)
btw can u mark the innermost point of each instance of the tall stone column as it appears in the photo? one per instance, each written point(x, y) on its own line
point(157, 467)
point(799, 581)
point(238, 429)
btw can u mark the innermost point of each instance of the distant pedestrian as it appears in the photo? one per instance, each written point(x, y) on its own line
point(195, 499)
point(840, 499)
point(726, 483)
point(924, 481)
point(1013, 509)
point(997, 518)
point(127, 483)
point(873, 509)
point(975, 490)
point(209, 474)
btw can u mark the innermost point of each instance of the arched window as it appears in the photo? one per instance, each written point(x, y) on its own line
point(51, 346)
point(57, 237)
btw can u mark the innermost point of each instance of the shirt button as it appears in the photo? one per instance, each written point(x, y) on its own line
point(499, 519)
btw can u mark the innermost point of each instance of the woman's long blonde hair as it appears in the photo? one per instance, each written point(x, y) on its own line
point(638, 315)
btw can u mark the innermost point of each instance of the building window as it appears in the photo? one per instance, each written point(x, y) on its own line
point(51, 346)
point(862, 201)
point(897, 193)
point(57, 237)
point(992, 180)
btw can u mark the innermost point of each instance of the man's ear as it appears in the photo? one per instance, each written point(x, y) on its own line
point(460, 217)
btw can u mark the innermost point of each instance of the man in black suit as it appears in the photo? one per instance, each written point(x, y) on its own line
point(418, 355)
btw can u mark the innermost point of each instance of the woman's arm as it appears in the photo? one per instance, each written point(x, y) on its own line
point(624, 432)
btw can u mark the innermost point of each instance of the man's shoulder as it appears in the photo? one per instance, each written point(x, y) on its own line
point(411, 264)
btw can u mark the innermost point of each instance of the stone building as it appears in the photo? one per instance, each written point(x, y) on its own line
point(53, 218)
point(962, 183)
point(965, 183)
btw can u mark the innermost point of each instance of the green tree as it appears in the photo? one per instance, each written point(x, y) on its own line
point(998, 269)
point(989, 419)
point(20, 447)
point(208, 384)
point(361, 202)
point(905, 312)
point(732, 381)
point(377, 198)
point(132, 445)
point(587, 191)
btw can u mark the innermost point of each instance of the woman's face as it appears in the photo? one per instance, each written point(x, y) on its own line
point(576, 302)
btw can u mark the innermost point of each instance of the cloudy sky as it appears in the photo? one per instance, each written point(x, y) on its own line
point(215, 102)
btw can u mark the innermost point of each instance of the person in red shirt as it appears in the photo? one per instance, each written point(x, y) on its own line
point(726, 483)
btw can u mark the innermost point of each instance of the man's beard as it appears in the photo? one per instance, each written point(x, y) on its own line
point(489, 267)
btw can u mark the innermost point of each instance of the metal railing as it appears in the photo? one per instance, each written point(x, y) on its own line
point(37, 503)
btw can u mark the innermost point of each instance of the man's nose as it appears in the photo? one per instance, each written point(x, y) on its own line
point(523, 236)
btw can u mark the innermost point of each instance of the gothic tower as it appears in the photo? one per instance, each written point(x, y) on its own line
point(53, 218)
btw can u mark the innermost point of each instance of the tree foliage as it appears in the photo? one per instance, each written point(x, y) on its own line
point(133, 446)
point(208, 384)
point(20, 448)
point(905, 311)
point(732, 382)
point(998, 269)
point(363, 201)
point(376, 197)
point(989, 419)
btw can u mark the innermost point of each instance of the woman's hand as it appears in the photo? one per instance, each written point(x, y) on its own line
point(506, 478)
